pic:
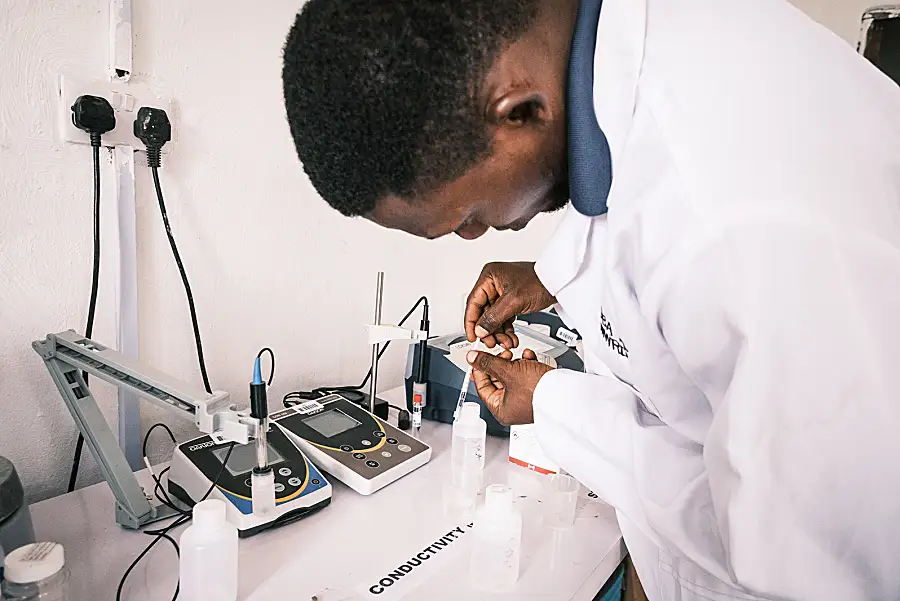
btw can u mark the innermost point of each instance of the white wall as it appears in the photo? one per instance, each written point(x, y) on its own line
point(271, 264)
point(844, 17)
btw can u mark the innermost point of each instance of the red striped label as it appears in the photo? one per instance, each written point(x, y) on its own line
point(531, 467)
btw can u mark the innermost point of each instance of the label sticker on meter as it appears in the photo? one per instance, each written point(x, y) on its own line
point(567, 336)
point(309, 407)
point(283, 413)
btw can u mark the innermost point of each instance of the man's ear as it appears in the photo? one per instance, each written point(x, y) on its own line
point(519, 108)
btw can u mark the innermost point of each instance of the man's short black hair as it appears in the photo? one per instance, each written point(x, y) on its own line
point(381, 94)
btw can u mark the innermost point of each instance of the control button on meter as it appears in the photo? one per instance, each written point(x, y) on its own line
point(372, 464)
point(359, 456)
point(378, 434)
point(365, 443)
point(392, 441)
point(404, 448)
point(385, 454)
point(295, 482)
point(346, 448)
point(248, 483)
point(279, 487)
point(285, 471)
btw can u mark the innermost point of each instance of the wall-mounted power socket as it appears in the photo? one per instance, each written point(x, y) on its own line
point(125, 97)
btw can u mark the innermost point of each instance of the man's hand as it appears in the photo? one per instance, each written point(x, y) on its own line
point(503, 291)
point(506, 386)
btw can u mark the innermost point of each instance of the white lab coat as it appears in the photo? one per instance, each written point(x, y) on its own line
point(740, 305)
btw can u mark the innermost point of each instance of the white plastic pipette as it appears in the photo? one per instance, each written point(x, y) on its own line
point(464, 389)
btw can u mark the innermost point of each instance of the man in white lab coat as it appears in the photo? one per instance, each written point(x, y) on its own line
point(731, 256)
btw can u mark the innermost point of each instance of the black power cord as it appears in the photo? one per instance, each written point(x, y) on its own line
point(184, 281)
point(95, 116)
point(152, 127)
point(354, 394)
point(272, 370)
point(150, 431)
point(163, 533)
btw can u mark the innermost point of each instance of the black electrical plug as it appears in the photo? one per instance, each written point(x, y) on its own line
point(152, 127)
point(94, 115)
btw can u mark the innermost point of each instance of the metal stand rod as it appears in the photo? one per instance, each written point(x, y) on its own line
point(379, 296)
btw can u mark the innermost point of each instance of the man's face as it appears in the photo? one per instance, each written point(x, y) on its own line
point(504, 191)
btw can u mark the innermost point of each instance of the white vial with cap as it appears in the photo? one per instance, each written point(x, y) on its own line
point(209, 555)
point(469, 433)
point(36, 572)
point(497, 541)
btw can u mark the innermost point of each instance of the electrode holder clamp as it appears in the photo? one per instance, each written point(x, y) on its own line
point(378, 334)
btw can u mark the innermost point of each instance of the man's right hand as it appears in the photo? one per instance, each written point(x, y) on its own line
point(503, 291)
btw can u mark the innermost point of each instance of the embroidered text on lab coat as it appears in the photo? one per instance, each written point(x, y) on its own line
point(606, 330)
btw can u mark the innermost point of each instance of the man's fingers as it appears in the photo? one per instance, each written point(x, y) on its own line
point(510, 331)
point(529, 354)
point(487, 389)
point(489, 384)
point(496, 315)
point(479, 298)
point(489, 341)
point(495, 366)
point(505, 340)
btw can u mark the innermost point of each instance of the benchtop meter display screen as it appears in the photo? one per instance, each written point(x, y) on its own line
point(331, 423)
point(243, 458)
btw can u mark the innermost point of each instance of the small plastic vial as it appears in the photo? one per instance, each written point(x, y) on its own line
point(469, 432)
point(497, 541)
point(262, 489)
point(209, 555)
point(36, 572)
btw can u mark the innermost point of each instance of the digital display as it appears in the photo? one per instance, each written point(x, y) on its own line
point(331, 423)
point(243, 458)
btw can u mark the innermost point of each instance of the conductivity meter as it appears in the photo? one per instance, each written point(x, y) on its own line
point(300, 489)
point(353, 445)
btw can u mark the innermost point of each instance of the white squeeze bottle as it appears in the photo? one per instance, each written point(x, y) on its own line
point(469, 432)
point(497, 541)
point(209, 555)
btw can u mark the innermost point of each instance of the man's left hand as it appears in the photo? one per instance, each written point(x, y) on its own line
point(507, 386)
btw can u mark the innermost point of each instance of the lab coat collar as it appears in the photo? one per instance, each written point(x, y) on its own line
point(617, 66)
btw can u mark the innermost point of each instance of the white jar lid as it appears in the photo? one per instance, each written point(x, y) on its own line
point(34, 562)
point(498, 498)
point(210, 512)
point(471, 411)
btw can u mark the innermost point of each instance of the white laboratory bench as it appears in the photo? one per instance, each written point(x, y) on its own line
point(352, 544)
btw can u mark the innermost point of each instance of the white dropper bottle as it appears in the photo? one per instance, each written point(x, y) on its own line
point(209, 555)
point(497, 541)
point(467, 450)
point(469, 433)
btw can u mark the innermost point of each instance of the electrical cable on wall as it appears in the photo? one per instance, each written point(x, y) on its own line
point(95, 116)
point(152, 127)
